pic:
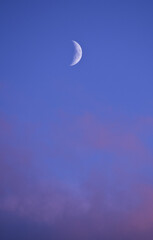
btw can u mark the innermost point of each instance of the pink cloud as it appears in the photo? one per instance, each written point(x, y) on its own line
point(101, 205)
point(146, 121)
point(88, 133)
point(142, 215)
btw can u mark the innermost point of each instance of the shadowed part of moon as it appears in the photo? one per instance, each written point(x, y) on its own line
point(78, 54)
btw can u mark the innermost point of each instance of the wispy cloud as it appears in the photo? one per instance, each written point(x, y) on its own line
point(116, 201)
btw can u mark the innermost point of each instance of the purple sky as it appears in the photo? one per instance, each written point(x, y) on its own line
point(76, 143)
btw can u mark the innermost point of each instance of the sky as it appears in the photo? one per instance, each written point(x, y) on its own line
point(76, 142)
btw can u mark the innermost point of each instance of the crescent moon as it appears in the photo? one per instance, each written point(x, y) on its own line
point(78, 53)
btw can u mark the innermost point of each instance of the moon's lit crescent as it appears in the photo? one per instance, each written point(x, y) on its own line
point(78, 53)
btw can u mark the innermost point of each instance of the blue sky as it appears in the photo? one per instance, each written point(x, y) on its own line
point(116, 67)
point(78, 136)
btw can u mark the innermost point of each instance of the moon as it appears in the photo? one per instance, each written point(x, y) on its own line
point(78, 53)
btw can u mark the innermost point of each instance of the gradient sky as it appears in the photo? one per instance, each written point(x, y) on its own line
point(76, 143)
